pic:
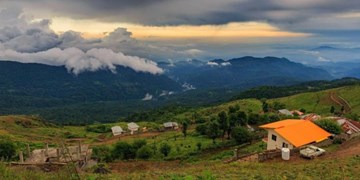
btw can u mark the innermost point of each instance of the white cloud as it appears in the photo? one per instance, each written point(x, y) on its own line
point(212, 63)
point(77, 61)
point(147, 97)
point(32, 41)
point(225, 64)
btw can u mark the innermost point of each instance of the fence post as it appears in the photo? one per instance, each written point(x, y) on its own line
point(21, 156)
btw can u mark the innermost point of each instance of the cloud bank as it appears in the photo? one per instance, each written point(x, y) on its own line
point(31, 41)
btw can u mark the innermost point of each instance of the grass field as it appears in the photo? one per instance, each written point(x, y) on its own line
point(347, 168)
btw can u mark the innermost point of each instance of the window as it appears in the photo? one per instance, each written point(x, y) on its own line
point(285, 145)
point(273, 137)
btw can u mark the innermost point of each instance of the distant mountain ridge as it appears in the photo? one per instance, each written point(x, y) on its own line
point(246, 72)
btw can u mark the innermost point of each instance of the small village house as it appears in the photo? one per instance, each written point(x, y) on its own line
point(293, 133)
point(117, 130)
point(285, 112)
point(133, 127)
point(347, 125)
point(171, 125)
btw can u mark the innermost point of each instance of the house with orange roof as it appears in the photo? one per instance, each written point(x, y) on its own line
point(293, 133)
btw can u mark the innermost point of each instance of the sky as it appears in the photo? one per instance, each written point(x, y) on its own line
point(97, 34)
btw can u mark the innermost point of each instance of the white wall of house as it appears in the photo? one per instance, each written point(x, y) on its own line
point(279, 143)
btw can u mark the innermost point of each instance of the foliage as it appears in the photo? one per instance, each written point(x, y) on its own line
point(101, 128)
point(283, 91)
point(185, 125)
point(7, 149)
point(201, 128)
point(123, 150)
point(145, 152)
point(198, 145)
point(329, 125)
point(213, 129)
point(165, 149)
point(241, 135)
point(138, 143)
point(102, 153)
point(224, 122)
point(332, 110)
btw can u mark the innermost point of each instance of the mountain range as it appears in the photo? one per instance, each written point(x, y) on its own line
point(60, 96)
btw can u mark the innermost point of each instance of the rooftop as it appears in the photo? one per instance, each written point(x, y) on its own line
point(298, 132)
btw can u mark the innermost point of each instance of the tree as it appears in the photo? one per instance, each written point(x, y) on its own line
point(265, 105)
point(7, 149)
point(123, 150)
point(165, 149)
point(233, 109)
point(198, 145)
point(201, 128)
point(233, 121)
point(224, 122)
point(277, 105)
point(145, 152)
point(253, 118)
point(241, 135)
point(332, 109)
point(242, 118)
point(329, 125)
point(303, 110)
point(185, 125)
point(213, 129)
point(342, 109)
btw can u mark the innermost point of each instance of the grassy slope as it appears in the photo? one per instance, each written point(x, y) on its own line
point(320, 102)
point(39, 131)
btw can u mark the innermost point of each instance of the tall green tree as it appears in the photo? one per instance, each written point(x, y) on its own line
point(241, 135)
point(224, 122)
point(265, 105)
point(332, 109)
point(242, 118)
point(213, 129)
point(185, 125)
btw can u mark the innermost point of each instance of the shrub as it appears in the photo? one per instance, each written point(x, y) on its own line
point(165, 149)
point(145, 152)
point(329, 125)
point(123, 150)
point(138, 143)
point(101, 169)
point(241, 135)
point(102, 153)
point(7, 149)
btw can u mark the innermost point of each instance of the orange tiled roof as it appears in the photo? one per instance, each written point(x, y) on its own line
point(298, 132)
point(280, 124)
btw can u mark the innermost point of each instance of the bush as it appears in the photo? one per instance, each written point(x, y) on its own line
point(329, 125)
point(201, 128)
point(145, 152)
point(138, 143)
point(165, 149)
point(7, 149)
point(102, 154)
point(241, 135)
point(123, 150)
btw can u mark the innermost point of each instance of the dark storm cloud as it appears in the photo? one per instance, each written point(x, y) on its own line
point(172, 12)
